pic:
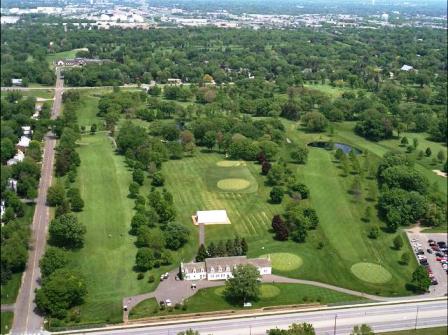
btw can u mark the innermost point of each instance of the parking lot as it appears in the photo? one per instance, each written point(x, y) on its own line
point(431, 251)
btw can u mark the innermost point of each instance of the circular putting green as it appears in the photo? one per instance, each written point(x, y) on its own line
point(371, 273)
point(230, 163)
point(285, 261)
point(233, 184)
point(269, 291)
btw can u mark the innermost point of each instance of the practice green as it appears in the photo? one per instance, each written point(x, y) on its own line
point(233, 184)
point(284, 261)
point(371, 273)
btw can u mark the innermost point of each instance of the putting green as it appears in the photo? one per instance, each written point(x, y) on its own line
point(230, 163)
point(371, 273)
point(285, 261)
point(233, 184)
point(269, 291)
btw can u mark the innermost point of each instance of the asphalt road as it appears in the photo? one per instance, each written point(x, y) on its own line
point(379, 317)
point(26, 319)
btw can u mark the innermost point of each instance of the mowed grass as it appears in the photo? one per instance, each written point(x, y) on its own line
point(6, 322)
point(89, 106)
point(108, 255)
point(212, 299)
point(193, 185)
point(341, 230)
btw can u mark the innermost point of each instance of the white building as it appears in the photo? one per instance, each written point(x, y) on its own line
point(23, 143)
point(26, 131)
point(16, 82)
point(221, 268)
point(19, 157)
point(406, 68)
point(211, 217)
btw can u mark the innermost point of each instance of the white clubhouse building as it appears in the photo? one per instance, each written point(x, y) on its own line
point(220, 268)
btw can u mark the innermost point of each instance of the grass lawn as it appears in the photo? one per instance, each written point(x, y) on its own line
point(333, 92)
point(108, 256)
point(45, 94)
point(341, 229)
point(424, 331)
point(10, 290)
point(89, 106)
point(212, 299)
point(6, 322)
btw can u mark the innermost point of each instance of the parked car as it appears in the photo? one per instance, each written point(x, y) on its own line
point(429, 251)
point(420, 252)
point(441, 244)
point(445, 266)
point(424, 262)
point(430, 241)
point(434, 282)
point(435, 248)
point(168, 303)
point(439, 254)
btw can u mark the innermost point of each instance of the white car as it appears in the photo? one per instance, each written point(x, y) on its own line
point(168, 303)
point(445, 266)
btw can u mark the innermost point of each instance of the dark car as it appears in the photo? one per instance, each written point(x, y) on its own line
point(429, 251)
point(434, 282)
point(439, 254)
point(441, 244)
point(424, 262)
point(420, 252)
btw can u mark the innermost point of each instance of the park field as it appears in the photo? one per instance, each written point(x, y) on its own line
point(6, 322)
point(212, 299)
point(341, 230)
point(108, 255)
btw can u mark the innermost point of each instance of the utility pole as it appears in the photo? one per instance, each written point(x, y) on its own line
point(250, 329)
point(416, 320)
point(335, 318)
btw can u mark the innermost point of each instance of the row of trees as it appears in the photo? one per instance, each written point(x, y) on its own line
point(235, 247)
point(62, 286)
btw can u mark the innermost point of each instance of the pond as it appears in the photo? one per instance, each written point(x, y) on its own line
point(327, 145)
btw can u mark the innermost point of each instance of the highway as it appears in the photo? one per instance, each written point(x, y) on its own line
point(26, 319)
point(380, 317)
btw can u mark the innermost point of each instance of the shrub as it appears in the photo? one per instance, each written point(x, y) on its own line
point(140, 276)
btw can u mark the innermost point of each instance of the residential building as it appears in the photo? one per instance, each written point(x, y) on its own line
point(220, 268)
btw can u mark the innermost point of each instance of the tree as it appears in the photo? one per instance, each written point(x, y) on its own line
point(276, 195)
point(133, 190)
point(315, 121)
point(404, 141)
point(276, 175)
point(202, 254)
point(243, 286)
point(294, 329)
point(405, 258)
point(66, 231)
point(157, 179)
point(138, 176)
point(420, 279)
point(398, 242)
point(415, 143)
point(55, 195)
point(280, 229)
point(53, 259)
point(441, 156)
point(265, 167)
point(339, 154)
point(144, 260)
point(189, 332)
point(62, 290)
point(300, 155)
point(176, 236)
point(209, 139)
point(93, 129)
point(211, 250)
point(76, 202)
point(362, 330)
point(301, 189)
point(244, 246)
point(300, 233)
point(428, 152)
point(374, 232)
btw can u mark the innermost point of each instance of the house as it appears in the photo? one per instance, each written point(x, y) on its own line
point(24, 143)
point(26, 131)
point(211, 217)
point(174, 81)
point(16, 82)
point(406, 68)
point(2, 208)
point(220, 268)
point(19, 157)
